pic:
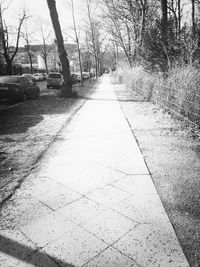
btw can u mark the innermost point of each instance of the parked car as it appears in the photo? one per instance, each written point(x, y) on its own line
point(54, 80)
point(18, 87)
point(78, 76)
point(38, 76)
point(44, 76)
point(74, 78)
point(92, 74)
point(31, 77)
point(85, 75)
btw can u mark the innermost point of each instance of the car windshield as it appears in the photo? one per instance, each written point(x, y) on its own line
point(54, 75)
point(9, 80)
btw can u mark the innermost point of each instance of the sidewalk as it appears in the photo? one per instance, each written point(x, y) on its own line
point(91, 201)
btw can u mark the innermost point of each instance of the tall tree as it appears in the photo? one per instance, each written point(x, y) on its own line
point(10, 51)
point(77, 41)
point(93, 34)
point(67, 86)
point(44, 49)
point(164, 21)
point(193, 18)
point(26, 37)
point(179, 18)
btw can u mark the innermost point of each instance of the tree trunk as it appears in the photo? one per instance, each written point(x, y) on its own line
point(31, 62)
point(179, 18)
point(164, 21)
point(193, 18)
point(9, 68)
point(164, 33)
point(30, 57)
point(67, 86)
point(96, 67)
point(46, 65)
point(77, 42)
point(80, 64)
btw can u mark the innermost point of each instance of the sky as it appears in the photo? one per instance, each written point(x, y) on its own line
point(39, 8)
point(39, 12)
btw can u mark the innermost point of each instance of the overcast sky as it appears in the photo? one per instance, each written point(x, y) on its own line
point(39, 7)
point(39, 12)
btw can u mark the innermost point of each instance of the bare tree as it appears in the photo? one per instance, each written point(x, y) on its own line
point(129, 21)
point(45, 48)
point(179, 17)
point(10, 51)
point(26, 36)
point(93, 30)
point(193, 18)
point(175, 10)
point(77, 41)
point(119, 28)
point(67, 87)
point(164, 20)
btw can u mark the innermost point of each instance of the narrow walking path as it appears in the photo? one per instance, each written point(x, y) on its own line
point(91, 202)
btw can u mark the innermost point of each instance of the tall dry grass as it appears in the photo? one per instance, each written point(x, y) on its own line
point(179, 90)
point(137, 79)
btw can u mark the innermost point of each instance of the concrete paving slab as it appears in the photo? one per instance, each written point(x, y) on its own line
point(136, 184)
point(109, 226)
point(36, 186)
point(81, 211)
point(58, 197)
point(111, 258)
point(75, 248)
point(113, 151)
point(47, 229)
point(82, 186)
point(108, 195)
point(142, 209)
point(153, 245)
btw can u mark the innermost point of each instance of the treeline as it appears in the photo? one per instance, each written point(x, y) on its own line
point(38, 36)
point(155, 33)
point(160, 41)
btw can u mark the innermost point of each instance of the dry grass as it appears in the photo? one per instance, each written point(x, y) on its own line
point(137, 79)
point(179, 91)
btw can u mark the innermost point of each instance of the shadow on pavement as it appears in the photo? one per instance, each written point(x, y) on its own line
point(23, 253)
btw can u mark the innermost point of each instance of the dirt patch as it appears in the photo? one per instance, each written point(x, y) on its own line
point(173, 158)
point(27, 130)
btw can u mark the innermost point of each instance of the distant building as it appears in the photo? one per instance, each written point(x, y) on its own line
point(53, 62)
point(22, 57)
